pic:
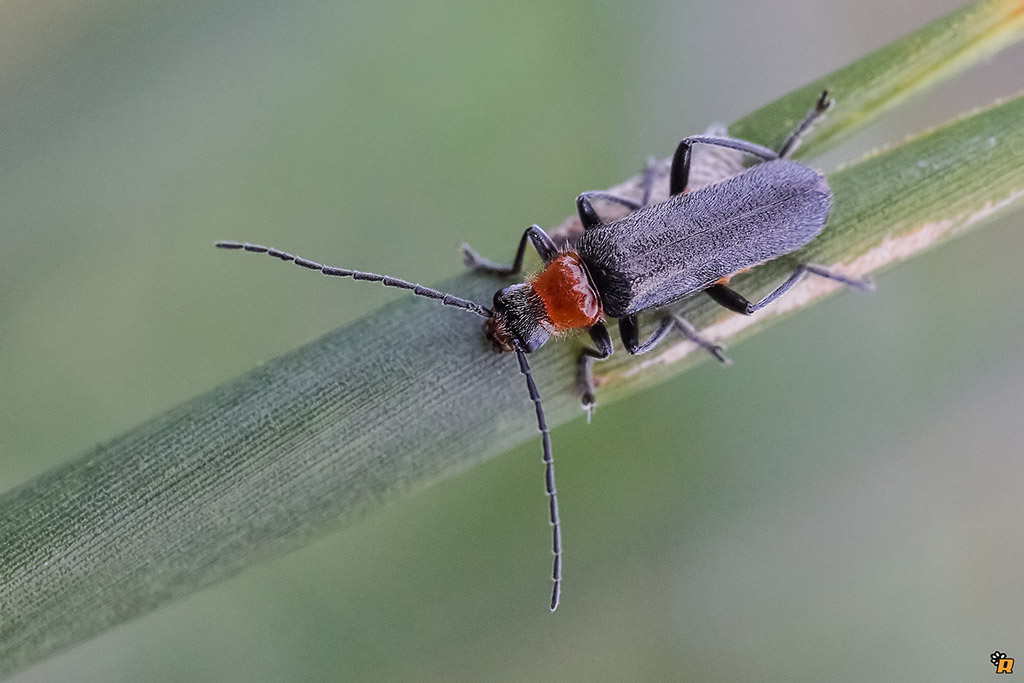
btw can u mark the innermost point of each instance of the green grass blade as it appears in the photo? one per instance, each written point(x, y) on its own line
point(873, 85)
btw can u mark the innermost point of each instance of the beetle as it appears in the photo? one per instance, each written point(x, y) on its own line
point(694, 241)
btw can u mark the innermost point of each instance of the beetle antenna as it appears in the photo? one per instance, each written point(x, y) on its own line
point(549, 478)
point(386, 280)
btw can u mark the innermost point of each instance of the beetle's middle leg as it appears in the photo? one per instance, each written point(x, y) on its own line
point(587, 212)
point(584, 366)
point(734, 301)
point(629, 328)
point(585, 208)
point(540, 240)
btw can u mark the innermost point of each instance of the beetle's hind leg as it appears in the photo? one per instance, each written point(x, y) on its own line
point(679, 176)
point(584, 366)
point(629, 329)
point(734, 301)
point(540, 240)
point(793, 141)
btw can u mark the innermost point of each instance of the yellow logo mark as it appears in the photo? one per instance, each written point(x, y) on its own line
point(1003, 664)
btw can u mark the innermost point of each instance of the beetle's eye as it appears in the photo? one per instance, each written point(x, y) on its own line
point(499, 301)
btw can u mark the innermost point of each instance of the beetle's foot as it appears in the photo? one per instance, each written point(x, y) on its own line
point(470, 257)
point(478, 263)
point(717, 349)
point(864, 284)
point(589, 404)
point(824, 103)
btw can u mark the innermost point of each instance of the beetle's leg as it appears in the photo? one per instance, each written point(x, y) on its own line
point(629, 328)
point(588, 215)
point(715, 348)
point(540, 240)
point(603, 342)
point(630, 204)
point(680, 173)
point(647, 181)
point(793, 141)
point(734, 301)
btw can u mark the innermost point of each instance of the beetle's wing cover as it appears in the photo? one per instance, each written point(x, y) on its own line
point(665, 251)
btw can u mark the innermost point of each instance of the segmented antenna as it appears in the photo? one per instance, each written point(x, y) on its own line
point(386, 280)
point(467, 305)
point(549, 478)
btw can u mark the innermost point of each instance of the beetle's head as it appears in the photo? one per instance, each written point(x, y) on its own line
point(519, 316)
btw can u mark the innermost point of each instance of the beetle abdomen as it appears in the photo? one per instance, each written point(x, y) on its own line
point(665, 251)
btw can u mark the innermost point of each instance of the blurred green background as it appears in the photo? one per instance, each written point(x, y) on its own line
point(844, 503)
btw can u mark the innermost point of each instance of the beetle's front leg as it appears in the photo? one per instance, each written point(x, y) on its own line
point(545, 247)
point(603, 342)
